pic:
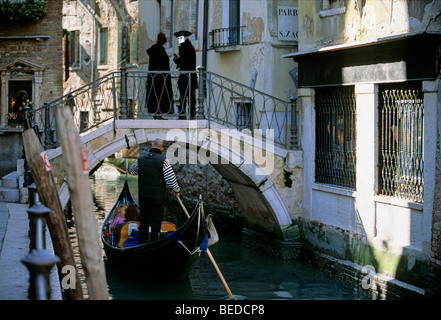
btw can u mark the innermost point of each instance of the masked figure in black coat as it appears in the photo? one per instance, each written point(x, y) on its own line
point(186, 61)
point(159, 96)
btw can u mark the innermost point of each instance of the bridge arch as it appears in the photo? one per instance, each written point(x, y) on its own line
point(255, 191)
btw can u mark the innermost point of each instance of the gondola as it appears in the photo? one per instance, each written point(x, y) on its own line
point(169, 258)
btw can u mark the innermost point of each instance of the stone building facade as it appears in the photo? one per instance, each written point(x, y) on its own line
point(99, 37)
point(30, 69)
point(245, 40)
point(369, 98)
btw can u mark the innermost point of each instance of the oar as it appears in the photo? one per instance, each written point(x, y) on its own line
point(126, 172)
point(211, 258)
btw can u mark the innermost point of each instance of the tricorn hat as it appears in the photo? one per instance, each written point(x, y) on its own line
point(184, 33)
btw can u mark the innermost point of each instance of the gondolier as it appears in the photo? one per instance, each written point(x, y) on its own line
point(155, 175)
point(169, 258)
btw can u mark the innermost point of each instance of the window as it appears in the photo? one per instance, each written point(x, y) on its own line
point(103, 44)
point(133, 55)
point(84, 120)
point(401, 161)
point(234, 22)
point(335, 154)
point(231, 35)
point(332, 4)
point(20, 93)
point(332, 7)
point(166, 9)
point(242, 114)
point(74, 48)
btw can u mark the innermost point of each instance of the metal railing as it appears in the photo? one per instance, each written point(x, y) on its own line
point(39, 261)
point(401, 121)
point(135, 94)
point(92, 105)
point(335, 154)
point(165, 94)
point(226, 37)
point(237, 106)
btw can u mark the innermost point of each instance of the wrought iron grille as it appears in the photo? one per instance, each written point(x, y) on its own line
point(335, 155)
point(401, 115)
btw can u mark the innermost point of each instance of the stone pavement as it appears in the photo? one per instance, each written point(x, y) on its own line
point(14, 246)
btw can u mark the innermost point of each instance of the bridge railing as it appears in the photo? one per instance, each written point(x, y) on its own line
point(92, 105)
point(136, 94)
point(160, 94)
point(240, 107)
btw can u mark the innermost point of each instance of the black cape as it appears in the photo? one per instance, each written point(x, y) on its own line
point(159, 92)
point(187, 62)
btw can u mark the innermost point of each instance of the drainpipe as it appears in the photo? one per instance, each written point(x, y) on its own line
point(93, 38)
point(204, 46)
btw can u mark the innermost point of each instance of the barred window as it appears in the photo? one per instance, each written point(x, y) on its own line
point(335, 155)
point(401, 161)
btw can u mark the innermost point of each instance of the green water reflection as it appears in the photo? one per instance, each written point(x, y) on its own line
point(250, 274)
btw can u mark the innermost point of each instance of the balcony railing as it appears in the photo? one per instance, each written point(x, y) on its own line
point(226, 37)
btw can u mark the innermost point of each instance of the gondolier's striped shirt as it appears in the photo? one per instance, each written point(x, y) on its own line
point(169, 175)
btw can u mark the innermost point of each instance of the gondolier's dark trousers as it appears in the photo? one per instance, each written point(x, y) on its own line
point(151, 215)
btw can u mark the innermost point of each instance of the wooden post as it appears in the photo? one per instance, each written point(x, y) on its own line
point(82, 203)
point(55, 221)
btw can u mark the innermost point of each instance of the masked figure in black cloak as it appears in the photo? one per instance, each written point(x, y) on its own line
point(159, 96)
point(186, 61)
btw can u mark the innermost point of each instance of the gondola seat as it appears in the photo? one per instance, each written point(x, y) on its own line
point(167, 227)
point(127, 227)
point(126, 231)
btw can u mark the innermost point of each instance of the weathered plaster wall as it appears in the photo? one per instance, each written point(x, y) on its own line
point(87, 16)
point(364, 21)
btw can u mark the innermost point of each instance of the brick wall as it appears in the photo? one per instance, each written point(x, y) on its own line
point(46, 52)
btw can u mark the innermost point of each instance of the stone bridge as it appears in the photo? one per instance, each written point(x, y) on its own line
point(266, 179)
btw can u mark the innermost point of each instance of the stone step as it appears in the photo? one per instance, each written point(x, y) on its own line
point(10, 181)
point(9, 195)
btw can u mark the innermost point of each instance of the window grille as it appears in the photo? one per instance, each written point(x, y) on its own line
point(401, 153)
point(335, 156)
point(243, 115)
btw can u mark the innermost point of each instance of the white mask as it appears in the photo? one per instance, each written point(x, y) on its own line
point(181, 39)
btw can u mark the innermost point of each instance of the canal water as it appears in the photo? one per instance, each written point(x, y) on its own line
point(249, 274)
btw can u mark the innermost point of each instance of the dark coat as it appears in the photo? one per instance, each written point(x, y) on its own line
point(151, 182)
point(187, 62)
point(159, 93)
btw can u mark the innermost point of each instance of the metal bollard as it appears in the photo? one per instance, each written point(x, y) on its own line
point(37, 214)
point(39, 262)
point(32, 189)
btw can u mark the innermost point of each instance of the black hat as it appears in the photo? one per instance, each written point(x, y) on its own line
point(184, 33)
